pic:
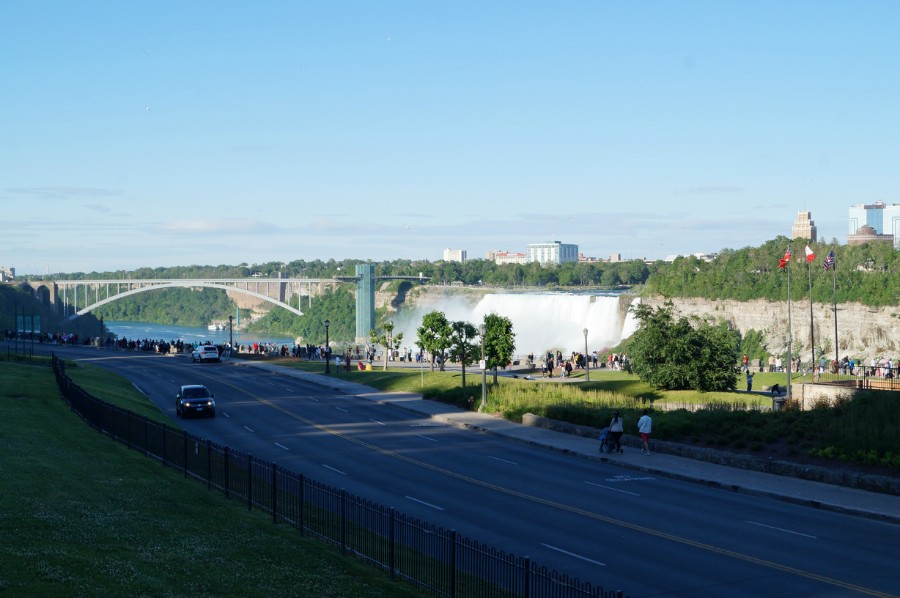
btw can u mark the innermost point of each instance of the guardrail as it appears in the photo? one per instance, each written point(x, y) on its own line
point(430, 557)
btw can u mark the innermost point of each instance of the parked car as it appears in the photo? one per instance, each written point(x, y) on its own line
point(206, 353)
point(195, 399)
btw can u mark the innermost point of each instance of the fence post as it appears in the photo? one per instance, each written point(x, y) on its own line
point(164, 435)
point(184, 466)
point(343, 521)
point(526, 587)
point(392, 539)
point(453, 563)
point(146, 436)
point(208, 464)
point(274, 493)
point(302, 503)
point(227, 469)
point(249, 482)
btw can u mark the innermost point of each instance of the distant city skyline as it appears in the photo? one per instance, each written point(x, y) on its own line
point(170, 134)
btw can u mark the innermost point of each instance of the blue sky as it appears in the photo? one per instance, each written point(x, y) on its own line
point(176, 133)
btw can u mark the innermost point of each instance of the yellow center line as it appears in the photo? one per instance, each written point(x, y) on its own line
point(578, 511)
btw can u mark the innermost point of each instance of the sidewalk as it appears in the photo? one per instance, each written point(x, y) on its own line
point(840, 499)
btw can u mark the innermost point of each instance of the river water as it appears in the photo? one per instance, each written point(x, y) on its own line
point(190, 334)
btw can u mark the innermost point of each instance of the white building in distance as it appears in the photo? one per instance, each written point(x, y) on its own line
point(884, 219)
point(552, 253)
point(454, 255)
point(506, 257)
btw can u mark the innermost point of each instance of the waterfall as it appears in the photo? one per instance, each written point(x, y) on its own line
point(541, 321)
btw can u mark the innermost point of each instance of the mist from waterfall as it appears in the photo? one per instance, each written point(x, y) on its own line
point(541, 321)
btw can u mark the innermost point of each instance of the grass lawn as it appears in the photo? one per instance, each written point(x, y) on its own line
point(84, 516)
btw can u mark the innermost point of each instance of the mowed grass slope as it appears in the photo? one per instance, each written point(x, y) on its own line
point(84, 516)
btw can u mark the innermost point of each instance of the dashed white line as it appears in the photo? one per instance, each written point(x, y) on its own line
point(502, 460)
point(572, 554)
point(427, 504)
point(249, 429)
point(427, 438)
point(225, 413)
point(281, 446)
point(781, 529)
point(611, 488)
point(333, 469)
point(313, 399)
point(342, 409)
point(378, 422)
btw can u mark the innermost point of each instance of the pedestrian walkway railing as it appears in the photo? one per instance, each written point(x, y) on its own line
point(427, 556)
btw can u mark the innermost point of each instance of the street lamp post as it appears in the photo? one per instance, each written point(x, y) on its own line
point(230, 335)
point(483, 372)
point(587, 359)
point(327, 349)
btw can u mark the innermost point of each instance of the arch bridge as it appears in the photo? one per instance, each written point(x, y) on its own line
point(78, 297)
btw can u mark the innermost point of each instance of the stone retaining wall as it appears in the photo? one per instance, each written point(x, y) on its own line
point(872, 483)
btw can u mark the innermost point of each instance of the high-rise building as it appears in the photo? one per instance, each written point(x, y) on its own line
point(552, 253)
point(882, 218)
point(454, 255)
point(804, 227)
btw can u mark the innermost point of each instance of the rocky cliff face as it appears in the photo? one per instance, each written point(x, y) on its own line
point(863, 332)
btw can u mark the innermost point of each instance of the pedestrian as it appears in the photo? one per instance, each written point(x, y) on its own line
point(749, 381)
point(645, 426)
point(616, 429)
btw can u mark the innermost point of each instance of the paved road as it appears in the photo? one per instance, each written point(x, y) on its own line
point(630, 523)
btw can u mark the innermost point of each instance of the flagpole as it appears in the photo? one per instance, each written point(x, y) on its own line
point(812, 337)
point(834, 300)
point(790, 355)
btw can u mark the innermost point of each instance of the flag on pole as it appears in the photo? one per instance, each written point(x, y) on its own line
point(829, 260)
point(787, 257)
point(810, 256)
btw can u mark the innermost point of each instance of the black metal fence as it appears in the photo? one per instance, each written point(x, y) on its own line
point(427, 556)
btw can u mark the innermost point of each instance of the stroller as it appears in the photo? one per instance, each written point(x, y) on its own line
point(605, 446)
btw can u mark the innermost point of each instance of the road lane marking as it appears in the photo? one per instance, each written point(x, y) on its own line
point(249, 430)
point(685, 541)
point(613, 489)
point(427, 504)
point(342, 409)
point(378, 422)
point(313, 399)
point(427, 438)
point(225, 413)
point(333, 469)
point(572, 554)
point(781, 529)
point(282, 446)
point(502, 460)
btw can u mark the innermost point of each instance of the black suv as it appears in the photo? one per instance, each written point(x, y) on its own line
point(195, 399)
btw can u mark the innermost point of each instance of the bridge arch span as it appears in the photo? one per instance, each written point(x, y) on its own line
point(184, 284)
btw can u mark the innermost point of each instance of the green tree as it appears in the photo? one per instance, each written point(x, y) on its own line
point(434, 335)
point(499, 342)
point(683, 354)
point(386, 339)
point(463, 348)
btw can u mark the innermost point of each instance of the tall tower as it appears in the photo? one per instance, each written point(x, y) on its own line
point(804, 227)
point(365, 301)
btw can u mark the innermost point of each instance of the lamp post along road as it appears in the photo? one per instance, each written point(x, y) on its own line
point(483, 372)
point(327, 349)
point(587, 359)
point(230, 335)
